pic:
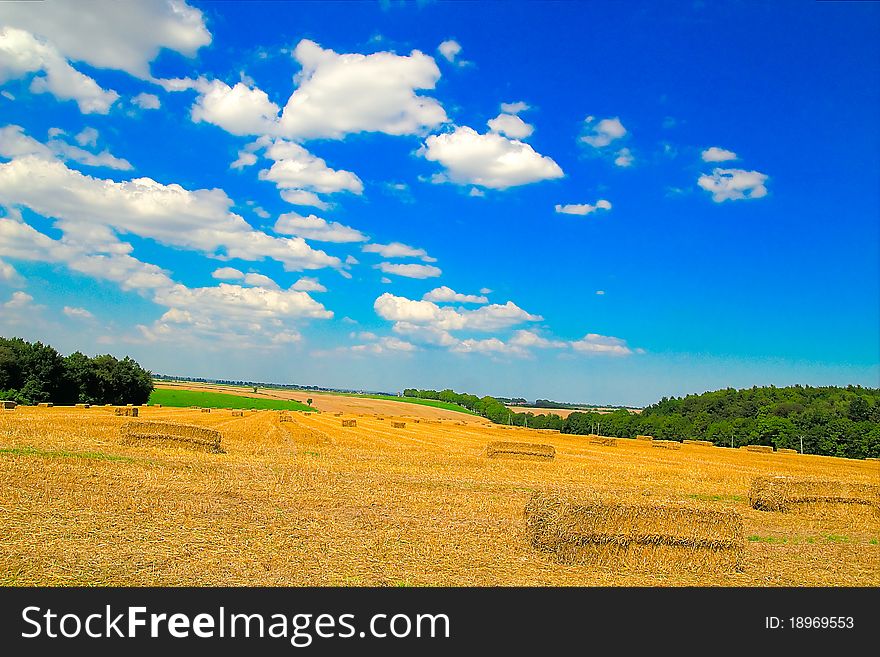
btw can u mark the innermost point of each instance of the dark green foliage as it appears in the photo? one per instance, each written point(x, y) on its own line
point(831, 421)
point(31, 373)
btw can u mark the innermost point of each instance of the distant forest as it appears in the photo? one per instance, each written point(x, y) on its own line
point(32, 373)
point(828, 420)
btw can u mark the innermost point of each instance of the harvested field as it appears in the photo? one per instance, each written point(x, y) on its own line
point(188, 435)
point(658, 537)
point(308, 503)
point(516, 450)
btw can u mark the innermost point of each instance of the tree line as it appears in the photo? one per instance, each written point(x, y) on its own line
point(832, 421)
point(33, 373)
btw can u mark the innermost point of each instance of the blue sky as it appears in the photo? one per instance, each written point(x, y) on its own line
point(593, 201)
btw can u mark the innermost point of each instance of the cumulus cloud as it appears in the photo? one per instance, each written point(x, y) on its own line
point(449, 49)
point(600, 134)
point(351, 93)
point(297, 169)
point(87, 137)
point(21, 54)
point(8, 273)
point(315, 228)
point(446, 294)
point(734, 184)
point(624, 158)
point(227, 274)
point(14, 143)
point(147, 101)
point(112, 35)
point(398, 250)
point(302, 197)
point(260, 280)
point(240, 110)
point(716, 154)
point(583, 208)
point(510, 125)
point(514, 108)
point(244, 159)
point(19, 301)
point(593, 343)
point(308, 284)
point(384, 345)
point(77, 313)
point(486, 318)
point(488, 160)
point(91, 210)
point(409, 270)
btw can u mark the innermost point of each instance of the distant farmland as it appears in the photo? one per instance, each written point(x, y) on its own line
point(186, 398)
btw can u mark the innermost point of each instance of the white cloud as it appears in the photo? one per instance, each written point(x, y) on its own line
point(315, 228)
point(297, 169)
point(602, 133)
point(77, 313)
point(593, 343)
point(260, 280)
point(583, 208)
point(514, 108)
point(716, 154)
point(486, 318)
point(112, 35)
point(8, 273)
point(87, 137)
point(600, 292)
point(733, 184)
point(308, 284)
point(240, 110)
point(261, 213)
point(476, 192)
point(398, 250)
point(21, 53)
point(488, 160)
point(624, 158)
point(485, 290)
point(147, 101)
point(89, 210)
point(7, 95)
point(351, 260)
point(102, 159)
point(383, 345)
point(511, 126)
point(409, 270)
point(449, 49)
point(529, 339)
point(302, 197)
point(14, 143)
point(351, 93)
point(244, 159)
point(19, 301)
point(385, 280)
point(446, 294)
point(227, 274)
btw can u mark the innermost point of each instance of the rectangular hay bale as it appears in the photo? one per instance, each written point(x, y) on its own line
point(398, 425)
point(785, 450)
point(82, 405)
point(786, 494)
point(640, 437)
point(762, 449)
point(658, 537)
point(607, 441)
point(701, 443)
point(237, 413)
point(7, 405)
point(127, 411)
point(183, 435)
point(349, 423)
point(517, 450)
point(45, 405)
point(666, 444)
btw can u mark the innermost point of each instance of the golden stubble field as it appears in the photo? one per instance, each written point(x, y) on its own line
point(308, 502)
